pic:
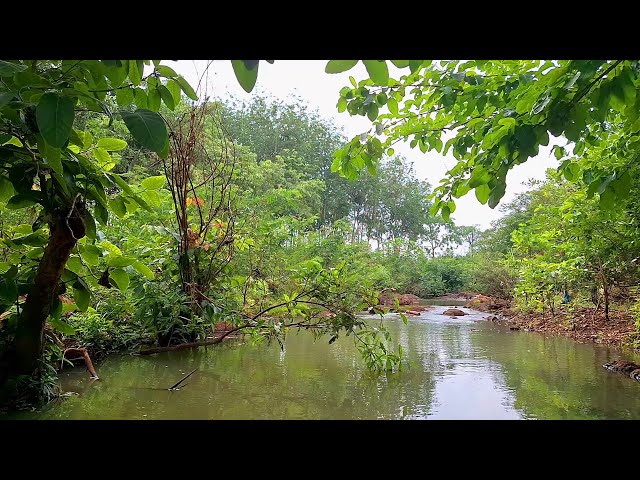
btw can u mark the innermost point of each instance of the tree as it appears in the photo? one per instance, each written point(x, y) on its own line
point(496, 114)
point(44, 161)
point(434, 234)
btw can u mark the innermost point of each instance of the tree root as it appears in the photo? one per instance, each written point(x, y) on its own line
point(77, 353)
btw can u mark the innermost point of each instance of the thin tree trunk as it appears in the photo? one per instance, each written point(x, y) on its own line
point(30, 330)
point(605, 287)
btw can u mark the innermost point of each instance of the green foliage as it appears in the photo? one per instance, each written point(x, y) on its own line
point(500, 112)
point(246, 72)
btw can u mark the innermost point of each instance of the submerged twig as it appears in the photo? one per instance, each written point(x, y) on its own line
point(183, 379)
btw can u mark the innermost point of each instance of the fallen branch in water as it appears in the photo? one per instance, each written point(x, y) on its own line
point(183, 346)
point(83, 354)
point(182, 379)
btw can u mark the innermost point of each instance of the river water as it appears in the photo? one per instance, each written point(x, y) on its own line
point(458, 368)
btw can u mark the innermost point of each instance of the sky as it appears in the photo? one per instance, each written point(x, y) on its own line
point(285, 79)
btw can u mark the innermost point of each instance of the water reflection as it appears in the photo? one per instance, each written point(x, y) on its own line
point(458, 368)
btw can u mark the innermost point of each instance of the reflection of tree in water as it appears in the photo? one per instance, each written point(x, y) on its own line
point(549, 377)
point(312, 379)
point(556, 378)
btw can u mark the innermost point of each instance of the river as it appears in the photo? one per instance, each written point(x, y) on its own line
point(458, 368)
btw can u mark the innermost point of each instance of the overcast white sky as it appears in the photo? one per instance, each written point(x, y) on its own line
point(307, 79)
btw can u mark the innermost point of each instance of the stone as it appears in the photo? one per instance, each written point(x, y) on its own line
point(453, 312)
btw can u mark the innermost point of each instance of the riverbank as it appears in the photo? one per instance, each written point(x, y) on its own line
point(582, 324)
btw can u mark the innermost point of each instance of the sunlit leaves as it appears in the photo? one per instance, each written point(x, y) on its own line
point(377, 70)
point(135, 72)
point(112, 144)
point(154, 183)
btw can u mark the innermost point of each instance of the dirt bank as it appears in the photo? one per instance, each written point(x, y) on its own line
point(580, 323)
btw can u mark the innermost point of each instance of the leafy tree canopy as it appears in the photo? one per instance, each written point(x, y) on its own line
point(493, 115)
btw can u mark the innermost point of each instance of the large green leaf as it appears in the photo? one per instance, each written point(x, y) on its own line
point(378, 71)
point(607, 199)
point(154, 183)
point(121, 278)
point(52, 155)
point(8, 290)
point(6, 97)
point(112, 144)
point(102, 156)
point(61, 326)
point(54, 115)
point(120, 261)
point(135, 75)
point(167, 97)
point(23, 200)
point(165, 71)
point(8, 68)
point(339, 66)
point(482, 193)
point(74, 264)
point(175, 90)
point(392, 105)
point(496, 194)
point(117, 206)
point(90, 225)
point(90, 254)
point(246, 76)
point(6, 189)
point(144, 270)
point(147, 127)
point(400, 63)
point(186, 88)
point(154, 100)
point(82, 297)
point(124, 96)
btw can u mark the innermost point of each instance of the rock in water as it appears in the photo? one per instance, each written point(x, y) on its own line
point(628, 368)
point(453, 312)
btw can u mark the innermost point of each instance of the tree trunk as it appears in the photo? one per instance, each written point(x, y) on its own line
point(30, 329)
point(605, 287)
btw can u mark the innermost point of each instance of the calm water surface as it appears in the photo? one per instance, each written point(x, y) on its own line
point(459, 368)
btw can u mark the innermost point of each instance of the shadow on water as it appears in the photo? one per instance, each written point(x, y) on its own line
point(459, 367)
